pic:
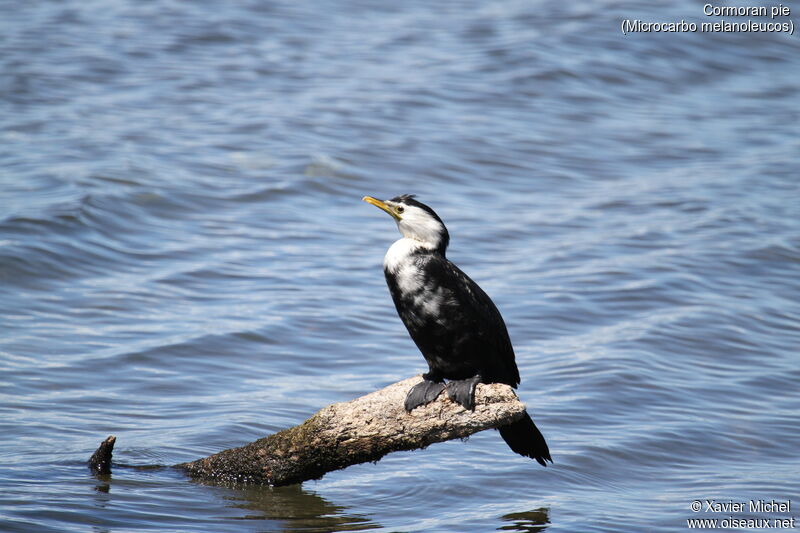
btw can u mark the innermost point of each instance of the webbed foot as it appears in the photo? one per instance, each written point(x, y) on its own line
point(462, 391)
point(423, 393)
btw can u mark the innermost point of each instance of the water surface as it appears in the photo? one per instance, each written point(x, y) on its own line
point(185, 262)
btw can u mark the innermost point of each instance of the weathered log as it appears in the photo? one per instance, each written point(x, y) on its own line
point(361, 430)
point(344, 434)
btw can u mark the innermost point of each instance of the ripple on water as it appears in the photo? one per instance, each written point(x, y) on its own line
point(185, 262)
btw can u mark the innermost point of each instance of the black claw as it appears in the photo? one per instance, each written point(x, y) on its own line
point(462, 391)
point(422, 393)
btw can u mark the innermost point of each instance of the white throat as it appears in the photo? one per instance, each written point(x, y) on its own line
point(399, 253)
point(417, 224)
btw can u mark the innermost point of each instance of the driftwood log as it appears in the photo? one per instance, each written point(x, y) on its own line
point(348, 433)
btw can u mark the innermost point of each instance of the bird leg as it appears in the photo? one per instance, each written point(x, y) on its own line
point(424, 392)
point(462, 391)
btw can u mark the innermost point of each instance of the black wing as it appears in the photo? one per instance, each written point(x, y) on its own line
point(479, 334)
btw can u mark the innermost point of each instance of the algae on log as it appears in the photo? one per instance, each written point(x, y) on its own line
point(361, 430)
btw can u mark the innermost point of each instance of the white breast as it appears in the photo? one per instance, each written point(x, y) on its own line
point(399, 262)
point(399, 254)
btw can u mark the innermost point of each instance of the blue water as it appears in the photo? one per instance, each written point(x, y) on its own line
point(185, 262)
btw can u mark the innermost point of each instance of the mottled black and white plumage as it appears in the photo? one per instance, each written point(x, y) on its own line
point(453, 322)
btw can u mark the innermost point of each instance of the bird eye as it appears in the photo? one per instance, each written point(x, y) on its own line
point(400, 209)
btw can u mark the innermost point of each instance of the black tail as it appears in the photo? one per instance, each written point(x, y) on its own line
point(525, 438)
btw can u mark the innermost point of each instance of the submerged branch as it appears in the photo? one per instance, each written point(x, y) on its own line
point(100, 461)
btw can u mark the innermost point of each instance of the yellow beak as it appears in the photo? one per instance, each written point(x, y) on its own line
point(381, 205)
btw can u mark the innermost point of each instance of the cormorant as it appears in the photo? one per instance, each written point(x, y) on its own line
point(453, 322)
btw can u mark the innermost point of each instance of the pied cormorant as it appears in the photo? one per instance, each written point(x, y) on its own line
point(453, 322)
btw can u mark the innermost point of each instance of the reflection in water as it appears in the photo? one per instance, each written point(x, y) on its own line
point(528, 521)
point(301, 509)
point(101, 497)
point(295, 508)
point(103, 482)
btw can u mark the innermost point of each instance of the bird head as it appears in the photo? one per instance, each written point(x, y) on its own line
point(415, 220)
